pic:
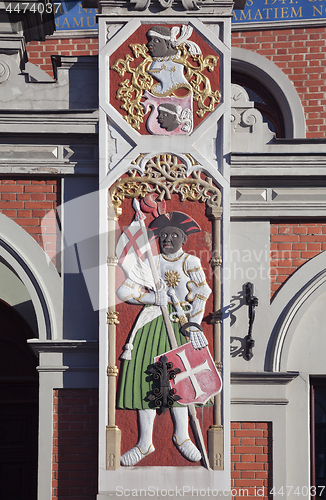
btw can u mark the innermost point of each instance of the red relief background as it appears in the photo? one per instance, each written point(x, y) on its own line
point(198, 244)
point(140, 37)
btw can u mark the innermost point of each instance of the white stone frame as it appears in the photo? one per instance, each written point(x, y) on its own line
point(279, 85)
point(131, 142)
point(282, 395)
point(38, 274)
point(291, 303)
point(43, 283)
point(204, 144)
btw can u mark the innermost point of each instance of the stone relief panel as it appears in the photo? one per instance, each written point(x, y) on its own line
point(167, 265)
point(165, 80)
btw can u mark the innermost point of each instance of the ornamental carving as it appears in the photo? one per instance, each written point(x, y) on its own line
point(165, 175)
point(166, 4)
point(4, 71)
point(112, 318)
point(167, 83)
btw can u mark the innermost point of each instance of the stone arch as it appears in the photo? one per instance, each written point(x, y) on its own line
point(279, 85)
point(293, 309)
point(27, 263)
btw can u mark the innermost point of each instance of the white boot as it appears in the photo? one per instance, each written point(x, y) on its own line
point(181, 437)
point(144, 446)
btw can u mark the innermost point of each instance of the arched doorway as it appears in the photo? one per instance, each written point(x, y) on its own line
point(18, 408)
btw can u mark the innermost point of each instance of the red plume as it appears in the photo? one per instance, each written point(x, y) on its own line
point(149, 205)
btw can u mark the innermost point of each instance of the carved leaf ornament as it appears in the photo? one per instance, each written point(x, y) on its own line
point(165, 175)
point(165, 4)
point(132, 88)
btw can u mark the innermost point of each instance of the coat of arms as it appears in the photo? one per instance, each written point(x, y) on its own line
point(168, 83)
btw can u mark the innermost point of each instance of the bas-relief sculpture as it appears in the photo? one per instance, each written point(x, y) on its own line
point(168, 81)
point(180, 287)
point(165, 90)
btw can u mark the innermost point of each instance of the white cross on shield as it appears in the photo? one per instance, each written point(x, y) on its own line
point(199, 379)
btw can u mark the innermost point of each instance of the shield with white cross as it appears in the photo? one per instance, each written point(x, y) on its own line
point(198, 380)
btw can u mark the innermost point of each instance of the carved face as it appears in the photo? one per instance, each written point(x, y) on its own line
point(168, 121)
point(171, 239)
point(158, 47)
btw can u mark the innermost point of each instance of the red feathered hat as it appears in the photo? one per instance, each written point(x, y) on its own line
point(174, 219)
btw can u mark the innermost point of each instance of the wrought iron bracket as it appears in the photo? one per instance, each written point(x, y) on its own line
point(163, 371)
point(252, 303)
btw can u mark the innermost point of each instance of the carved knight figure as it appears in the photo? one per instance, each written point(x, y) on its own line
point(182, 281)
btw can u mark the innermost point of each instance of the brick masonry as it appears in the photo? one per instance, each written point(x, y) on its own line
point(75, 447)
point(301, 54)
point(39, 53)
point(251, 460)
point(293, 244)
point(27, 202)
point(75, 435)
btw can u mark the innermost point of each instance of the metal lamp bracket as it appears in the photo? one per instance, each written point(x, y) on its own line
point(252, 303)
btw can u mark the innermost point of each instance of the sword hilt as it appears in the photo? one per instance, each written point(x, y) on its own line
point(180, 314)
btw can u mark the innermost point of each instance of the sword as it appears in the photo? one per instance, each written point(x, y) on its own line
point(179, 311)
point(165, 313)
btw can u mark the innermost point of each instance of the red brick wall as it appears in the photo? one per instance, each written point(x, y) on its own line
point(26, 202)
point(251, 460)
point(75, 448)
point(39, 53)
point(301, 54)
point(292, 244)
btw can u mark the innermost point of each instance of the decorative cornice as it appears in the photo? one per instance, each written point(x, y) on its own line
point(62, 345)
point(221, 8)
point(65, 368)
point(263, 378)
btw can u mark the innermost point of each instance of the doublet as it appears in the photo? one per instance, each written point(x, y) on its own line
point(184, 273)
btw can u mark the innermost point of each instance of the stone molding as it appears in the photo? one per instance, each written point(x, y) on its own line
point(291, 303)
point(259, 401)
point(151, 8)
point(277, 83)
point(75, 89)
point(263, 378)
point(52, 122)
point(248, 131)
point(49, 159)
point(63, 345)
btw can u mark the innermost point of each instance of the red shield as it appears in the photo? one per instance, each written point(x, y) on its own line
point(199, 379)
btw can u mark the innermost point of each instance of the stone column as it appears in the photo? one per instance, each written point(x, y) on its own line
point(113, 433)
point(215, 432)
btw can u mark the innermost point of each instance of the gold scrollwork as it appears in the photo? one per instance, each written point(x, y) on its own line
point(165, 175)
point(112, 318)
point(132, 88)
point(112, 371)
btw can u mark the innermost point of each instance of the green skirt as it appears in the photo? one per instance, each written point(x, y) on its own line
point(136, 383)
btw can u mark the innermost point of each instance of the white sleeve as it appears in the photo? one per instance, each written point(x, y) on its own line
point(133, 293)
point(199, 291)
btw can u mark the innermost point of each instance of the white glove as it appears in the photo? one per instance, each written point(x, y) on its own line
point(198, 339)
point(161, 298)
